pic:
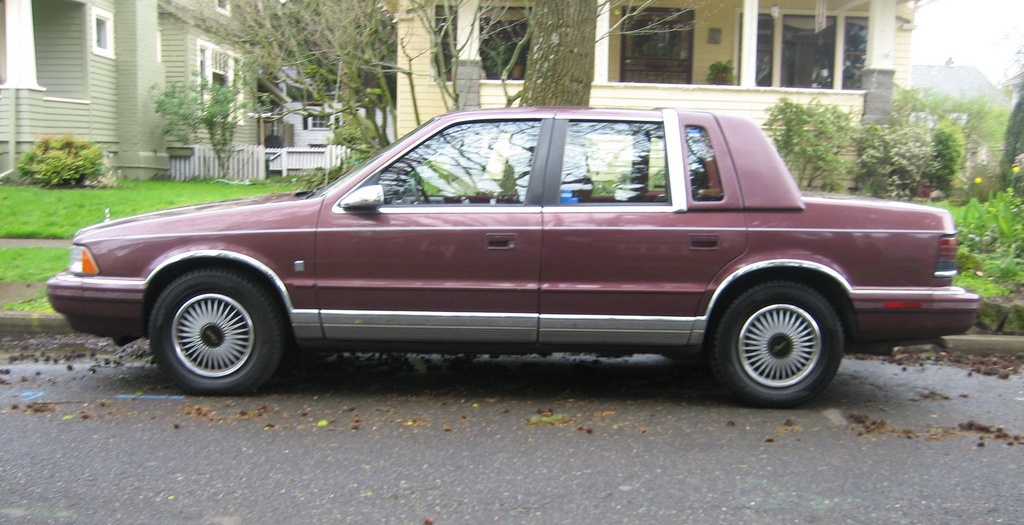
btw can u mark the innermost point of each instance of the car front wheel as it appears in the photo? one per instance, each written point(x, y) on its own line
point(778, 345)
point(217, 332)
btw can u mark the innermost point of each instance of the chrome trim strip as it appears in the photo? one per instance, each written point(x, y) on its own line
point(200, 234)
point(840, 230)
point(674, 150)
point(779, 263)
point(936, 292)
point(619, 208)
point(306, 324)
point(369, 325)
point(632, 330)
point(493, 228)
point(232, 256)
point(99, 280)
point(948, 274)
point(431, 209)
point(383, 325)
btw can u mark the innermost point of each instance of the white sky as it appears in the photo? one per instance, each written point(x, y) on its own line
point(981, 33)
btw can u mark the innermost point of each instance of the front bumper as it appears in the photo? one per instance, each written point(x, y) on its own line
point(99, 306)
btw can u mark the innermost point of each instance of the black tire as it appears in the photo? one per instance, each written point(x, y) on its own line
point(778, 345)
point(217, 332)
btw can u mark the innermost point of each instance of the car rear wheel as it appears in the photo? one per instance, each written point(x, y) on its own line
point(217, 332)
point(778, 345)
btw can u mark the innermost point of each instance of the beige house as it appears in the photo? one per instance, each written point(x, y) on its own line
point(850, 53)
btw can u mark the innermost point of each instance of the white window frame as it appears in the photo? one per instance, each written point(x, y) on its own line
point(204, 55)
point(777, 19)
point(98, 15)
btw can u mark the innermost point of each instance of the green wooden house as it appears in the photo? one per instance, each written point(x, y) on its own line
point(89, 67)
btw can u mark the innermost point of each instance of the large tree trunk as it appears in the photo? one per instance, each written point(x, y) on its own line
point(560, 67)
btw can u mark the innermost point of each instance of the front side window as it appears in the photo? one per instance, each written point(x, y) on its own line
point(614, 163)
point(102, 32)
point(486, 163)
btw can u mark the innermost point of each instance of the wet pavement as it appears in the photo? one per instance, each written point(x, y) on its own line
point(92, 436)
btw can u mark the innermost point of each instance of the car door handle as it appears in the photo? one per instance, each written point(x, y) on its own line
point(501, 241)
point(703, 242)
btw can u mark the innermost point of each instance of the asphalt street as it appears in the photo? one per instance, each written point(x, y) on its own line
point(566, 439)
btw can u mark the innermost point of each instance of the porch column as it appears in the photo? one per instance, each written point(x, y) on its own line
point(601, 52)
point(748, 52)
point(470, 68)
point(20, 45)
point(880, 65)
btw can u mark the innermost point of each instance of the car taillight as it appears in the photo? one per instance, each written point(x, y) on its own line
point(945, 261)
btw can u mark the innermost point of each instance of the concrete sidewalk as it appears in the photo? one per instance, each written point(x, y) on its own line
point(12, 322)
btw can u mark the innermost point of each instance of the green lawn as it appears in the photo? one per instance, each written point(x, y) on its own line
point(31, 264)
point(35, 213)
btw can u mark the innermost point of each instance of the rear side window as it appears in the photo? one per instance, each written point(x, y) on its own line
point(705, 179)
point(475, 163)
point(614, 163)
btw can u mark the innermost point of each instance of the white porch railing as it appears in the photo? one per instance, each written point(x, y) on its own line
point(252, 162)
point(299, 159)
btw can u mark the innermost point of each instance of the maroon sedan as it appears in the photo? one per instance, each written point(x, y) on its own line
point(647, 231)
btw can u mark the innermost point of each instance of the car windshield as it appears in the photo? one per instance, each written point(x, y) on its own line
point(358, 170)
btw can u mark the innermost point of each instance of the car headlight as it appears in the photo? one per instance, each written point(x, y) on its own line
point(82, 261)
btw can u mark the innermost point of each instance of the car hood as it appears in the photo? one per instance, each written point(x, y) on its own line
point(216, 216)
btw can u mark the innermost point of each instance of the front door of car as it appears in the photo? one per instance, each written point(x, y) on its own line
point(630, 245)
point(453, 254)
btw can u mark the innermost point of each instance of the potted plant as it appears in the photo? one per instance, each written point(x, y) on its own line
point(720, 73)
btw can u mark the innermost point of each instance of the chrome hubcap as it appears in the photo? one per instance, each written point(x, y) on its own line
point(213, 335)
point(779, 345)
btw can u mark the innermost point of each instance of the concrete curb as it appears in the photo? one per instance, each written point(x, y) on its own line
point(12, 322)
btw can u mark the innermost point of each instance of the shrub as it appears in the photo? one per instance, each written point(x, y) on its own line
point(949, 148)
point(893, 159)
point(815, 140)
point(62, 161)
point(994, 235)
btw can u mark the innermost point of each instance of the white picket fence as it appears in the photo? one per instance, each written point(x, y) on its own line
point(254, 162)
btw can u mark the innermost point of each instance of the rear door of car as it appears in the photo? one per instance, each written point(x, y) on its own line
point(639, 221)
point(453, 254)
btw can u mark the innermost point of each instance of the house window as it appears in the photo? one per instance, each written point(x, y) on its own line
point(102, 32)
point(224, 6)
point(657, 45)
point(855, 52)
point(319, 122)
point(3, 44)
point(502, 29)
point(445, 24)
point(807, 59)
point(765, 50)
point(215, 65)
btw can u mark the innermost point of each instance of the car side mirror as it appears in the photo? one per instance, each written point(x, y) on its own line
point(366, 198)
